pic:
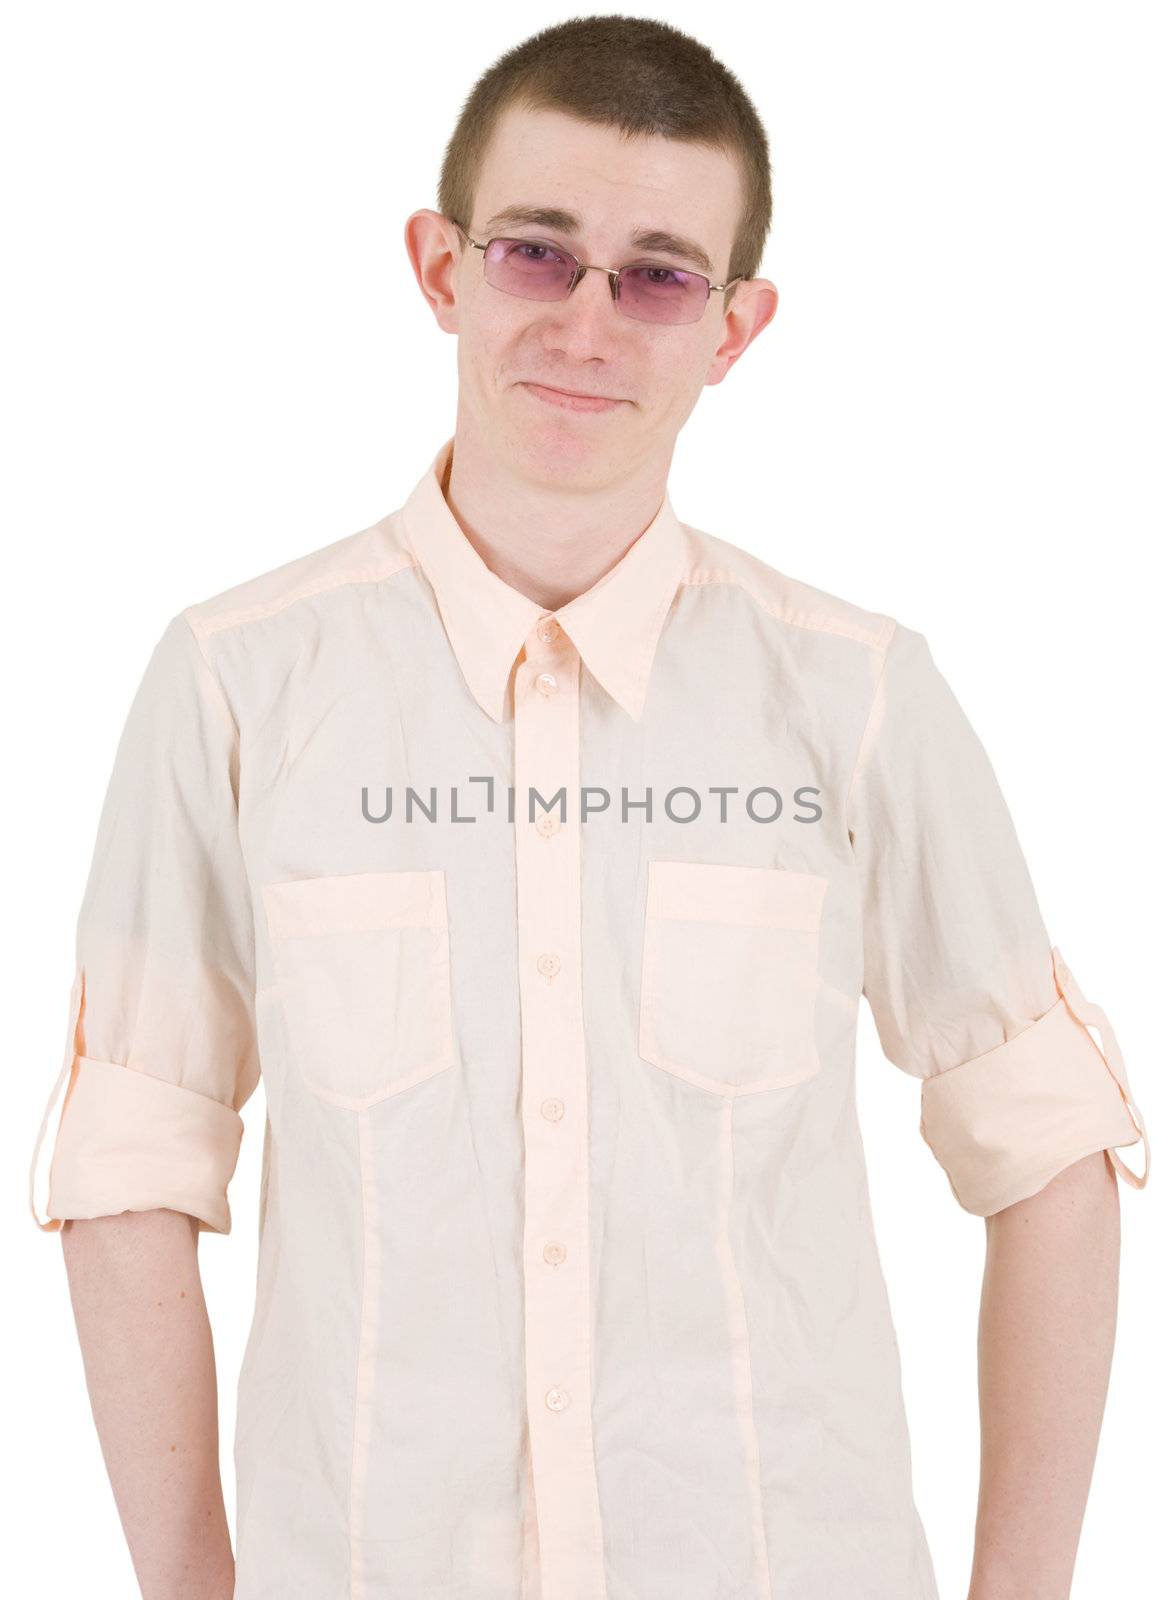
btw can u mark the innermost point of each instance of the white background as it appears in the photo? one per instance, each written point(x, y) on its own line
point(216, 358)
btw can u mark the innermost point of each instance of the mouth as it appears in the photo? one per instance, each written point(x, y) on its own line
point(567, 400)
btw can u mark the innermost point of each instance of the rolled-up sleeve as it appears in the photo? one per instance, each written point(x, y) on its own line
point(160, 1048)
point(966, 991)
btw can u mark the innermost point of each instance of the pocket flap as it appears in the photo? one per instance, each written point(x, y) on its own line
point(359, 902)
point(757, 897)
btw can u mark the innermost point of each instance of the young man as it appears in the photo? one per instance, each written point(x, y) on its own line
point(536, 848)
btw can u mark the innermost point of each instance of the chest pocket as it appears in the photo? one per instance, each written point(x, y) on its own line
point(729, 975)
point(362, 969)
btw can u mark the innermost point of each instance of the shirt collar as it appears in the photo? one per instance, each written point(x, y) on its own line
point(615, 625)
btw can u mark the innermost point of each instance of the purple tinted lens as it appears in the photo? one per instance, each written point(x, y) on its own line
point(663, 294)
point(528, 267)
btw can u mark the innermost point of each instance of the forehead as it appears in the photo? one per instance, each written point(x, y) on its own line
point(616, 184)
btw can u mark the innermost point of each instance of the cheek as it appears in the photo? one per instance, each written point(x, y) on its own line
point(670, 376)
point(492, 349)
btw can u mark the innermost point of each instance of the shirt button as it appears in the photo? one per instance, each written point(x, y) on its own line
point(552, 1109)
point(548, 964)
point(547, 825)
point(548, 630)
point(546, 683)
point(557, 1400)
point(554, 1252)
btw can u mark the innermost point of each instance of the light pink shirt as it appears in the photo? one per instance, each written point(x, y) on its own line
point(568, 1285)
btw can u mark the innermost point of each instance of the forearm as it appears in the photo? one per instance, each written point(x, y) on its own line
point(150, 1370)
point(1046, 1336)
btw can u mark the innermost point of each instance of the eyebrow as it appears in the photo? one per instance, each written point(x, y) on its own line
point(570, 222)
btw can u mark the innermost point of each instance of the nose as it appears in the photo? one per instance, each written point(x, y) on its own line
point(585, 324)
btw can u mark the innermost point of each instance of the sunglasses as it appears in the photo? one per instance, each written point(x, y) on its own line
point(535, 269)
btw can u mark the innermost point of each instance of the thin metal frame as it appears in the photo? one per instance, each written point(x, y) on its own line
point(613, 272)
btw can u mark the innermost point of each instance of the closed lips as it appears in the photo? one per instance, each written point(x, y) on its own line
point(576, 394)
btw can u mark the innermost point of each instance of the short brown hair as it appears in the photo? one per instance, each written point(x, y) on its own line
point(633, 74)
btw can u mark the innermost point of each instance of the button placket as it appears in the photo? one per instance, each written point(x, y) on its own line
point(555, 1122)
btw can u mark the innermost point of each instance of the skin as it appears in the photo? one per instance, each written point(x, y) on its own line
point(1048, 1313)
point(551, 499)
point(147, 1349)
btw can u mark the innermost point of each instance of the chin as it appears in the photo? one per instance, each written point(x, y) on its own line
point(558, 452)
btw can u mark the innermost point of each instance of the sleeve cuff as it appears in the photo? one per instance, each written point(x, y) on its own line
point(130, 1142)
point(1005, 1123)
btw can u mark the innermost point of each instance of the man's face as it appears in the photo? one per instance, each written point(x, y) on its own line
point(507, 345)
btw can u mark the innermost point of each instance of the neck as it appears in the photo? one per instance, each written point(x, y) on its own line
point(548, 540)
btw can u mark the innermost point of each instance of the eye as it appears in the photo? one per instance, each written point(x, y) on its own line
point(662, 277)
point(536, 251)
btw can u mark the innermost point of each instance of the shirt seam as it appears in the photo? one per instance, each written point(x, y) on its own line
point(870, 719)
point(206, 662)
point(205, 628)
point(801, 617)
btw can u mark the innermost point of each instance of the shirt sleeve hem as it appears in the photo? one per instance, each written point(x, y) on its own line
point(1023, 1182)
point(1003, 1124)
point(128, 1141)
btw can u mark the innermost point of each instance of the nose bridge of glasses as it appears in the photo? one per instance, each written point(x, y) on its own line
point(584, 267)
